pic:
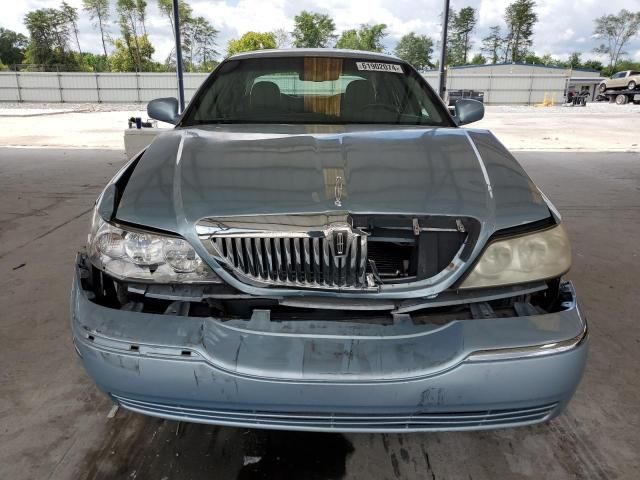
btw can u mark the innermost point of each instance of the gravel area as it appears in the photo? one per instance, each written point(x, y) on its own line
point(73, 107)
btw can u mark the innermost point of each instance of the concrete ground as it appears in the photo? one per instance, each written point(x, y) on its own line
point(54, 423)
point(596, 127)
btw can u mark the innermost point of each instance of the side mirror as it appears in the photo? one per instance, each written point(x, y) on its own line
point(164, 110)
point(468, 111)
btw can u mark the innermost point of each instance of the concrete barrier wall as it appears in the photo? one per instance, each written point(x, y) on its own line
point(74, 87)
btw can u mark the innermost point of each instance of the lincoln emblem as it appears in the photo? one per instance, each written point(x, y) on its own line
point(338, 191)
point(340, 240)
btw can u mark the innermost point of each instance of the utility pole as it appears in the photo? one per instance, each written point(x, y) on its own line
point(443, 51)
point(176, 26)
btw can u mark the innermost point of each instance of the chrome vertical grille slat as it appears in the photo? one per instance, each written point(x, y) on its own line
point(259, 258)
point(298, 272)
point(307, 267)
point(317, 268)
point(331, 258)
point(268, 257)
point(250, 261)
point(287, 260)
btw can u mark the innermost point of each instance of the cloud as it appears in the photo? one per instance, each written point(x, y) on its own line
point(559, 30)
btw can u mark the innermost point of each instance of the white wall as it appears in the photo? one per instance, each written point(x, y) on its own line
point(499, 88)
point(505, 89)
point(93, 87)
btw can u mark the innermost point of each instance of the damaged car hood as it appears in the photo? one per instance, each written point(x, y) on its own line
point(227, 170)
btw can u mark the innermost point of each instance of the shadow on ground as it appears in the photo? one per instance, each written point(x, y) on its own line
point(140, 447)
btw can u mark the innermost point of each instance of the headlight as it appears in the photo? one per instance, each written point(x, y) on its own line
point(536, 256)
point(143, 256)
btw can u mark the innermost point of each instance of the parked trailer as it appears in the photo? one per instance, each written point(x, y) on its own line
point(621, 97)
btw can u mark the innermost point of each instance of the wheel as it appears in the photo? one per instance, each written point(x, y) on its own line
point(632, 85)
point(622, 100)
point(602, 87)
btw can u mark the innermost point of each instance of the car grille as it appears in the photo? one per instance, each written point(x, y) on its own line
point(343, 421)
point(337, 260)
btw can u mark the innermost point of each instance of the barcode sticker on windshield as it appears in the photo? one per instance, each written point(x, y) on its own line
point(379, 67)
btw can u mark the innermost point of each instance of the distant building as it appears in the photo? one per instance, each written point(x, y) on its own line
point(516, 83)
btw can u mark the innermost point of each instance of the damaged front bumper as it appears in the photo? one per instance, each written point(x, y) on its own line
point(334, 376)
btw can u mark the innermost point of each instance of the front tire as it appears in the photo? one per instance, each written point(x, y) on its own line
point(632, 85)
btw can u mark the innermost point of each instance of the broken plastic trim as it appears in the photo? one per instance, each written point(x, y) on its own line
point(225, 303)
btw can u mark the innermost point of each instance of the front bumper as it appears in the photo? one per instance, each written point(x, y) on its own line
point(330, 376)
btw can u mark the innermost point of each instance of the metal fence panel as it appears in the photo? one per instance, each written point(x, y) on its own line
point(518, 87)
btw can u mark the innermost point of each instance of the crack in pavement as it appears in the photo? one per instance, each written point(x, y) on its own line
point(44, 234)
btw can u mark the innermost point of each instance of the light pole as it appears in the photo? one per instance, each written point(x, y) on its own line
point(443, 51)
point(176, 26)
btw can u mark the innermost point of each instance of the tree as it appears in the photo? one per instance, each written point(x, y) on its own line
point(141, 11)
point(184, 11)
point(415, 49)
point(49, 32)
point(71, 15)
point(574, 60)
point(95, 63)
point(251, 41)
point(123, 59)
point(12, 46)
point(313, 30)
point(462, 24)
point(131, 19)
point(493, 43)
point(99, 14)
point(283, 38)
point(199, 43)
point(478, 59)
point(616, 31)
point(548, 60)
point(593, 65)
point(520, 19)
point(367, 37)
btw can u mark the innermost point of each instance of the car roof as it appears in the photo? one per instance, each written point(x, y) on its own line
point(315, 52)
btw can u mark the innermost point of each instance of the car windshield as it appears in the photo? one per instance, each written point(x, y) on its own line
point(312, 90)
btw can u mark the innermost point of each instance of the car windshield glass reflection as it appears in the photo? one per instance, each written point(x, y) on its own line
point(303, 90)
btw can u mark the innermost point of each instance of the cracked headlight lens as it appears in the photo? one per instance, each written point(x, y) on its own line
point(143, 256)
point(535, 256)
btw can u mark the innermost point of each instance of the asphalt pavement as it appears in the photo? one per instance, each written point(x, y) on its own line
point(54, 423)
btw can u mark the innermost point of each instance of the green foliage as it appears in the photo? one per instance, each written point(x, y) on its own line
point(71, 15)
point(493, 44)
point(313, 30)
point(616, 31)
point(520, 19)
point(415, 49)
point(131, 18)
point(197, 36)
point(12, 46)
point(99, 14)
point(594, 65)
point(251, 41)
point(478, 59)
point(49, 31)
point(461, 24)
point(367, 37)
point(574, 61)
point(94, 63)
point(125, 57)
point(199, 43)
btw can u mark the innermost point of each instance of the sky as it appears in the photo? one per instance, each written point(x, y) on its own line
point(563, 26)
